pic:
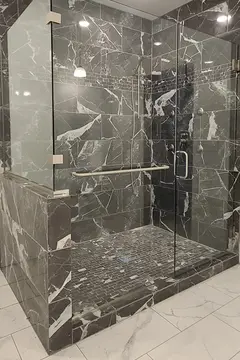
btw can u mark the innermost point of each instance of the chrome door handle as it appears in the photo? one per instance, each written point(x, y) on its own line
point(175, 164)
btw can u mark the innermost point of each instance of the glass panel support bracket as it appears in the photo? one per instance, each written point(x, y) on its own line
point(56, 159)
point(235, 65)
point(54, 18)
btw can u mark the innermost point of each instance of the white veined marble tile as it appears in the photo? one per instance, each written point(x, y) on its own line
point(29, 346)
point(7, 296)
point(3, 280)
point(227, 282)
point(192, 305)
point(8, 350)
point(71, 353)
point(130, 339)
point(12, 319)
point(207, 340)
point(230, 314)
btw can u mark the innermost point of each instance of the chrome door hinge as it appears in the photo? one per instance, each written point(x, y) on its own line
point(236, 65)
point(54, 17)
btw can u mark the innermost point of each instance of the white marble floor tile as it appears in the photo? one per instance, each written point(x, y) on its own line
point(71, 353)
point(209, 339)
point(236, 357)
point(8, 350)
point(192, 305)
point(3, 281)
point(130, 339)
point(144, 357)
point(230, 313)
point(12, 319)
point(29, 346)
point(227, 282)
point(7, 296)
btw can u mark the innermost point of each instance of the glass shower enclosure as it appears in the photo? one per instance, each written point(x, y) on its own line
point(133, 119)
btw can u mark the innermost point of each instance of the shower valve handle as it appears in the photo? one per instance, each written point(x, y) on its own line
point(186, 166)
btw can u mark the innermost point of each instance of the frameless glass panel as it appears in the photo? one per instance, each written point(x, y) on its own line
point(30, 94)
point(104, 123)
point(205, 134)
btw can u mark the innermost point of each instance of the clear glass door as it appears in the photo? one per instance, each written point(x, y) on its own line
point(204, 145)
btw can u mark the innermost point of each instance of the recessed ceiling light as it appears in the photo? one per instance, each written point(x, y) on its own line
point(223, 18)
point(80, 72)
point(157, 43)
point(84, 23)
point(165, 60)
point(27, 93)
point(208, 62)
point(17, 93)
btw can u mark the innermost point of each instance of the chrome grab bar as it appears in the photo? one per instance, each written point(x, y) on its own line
point(186, 166)
point(112, 172)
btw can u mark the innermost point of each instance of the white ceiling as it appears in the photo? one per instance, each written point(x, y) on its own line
point(153, 7)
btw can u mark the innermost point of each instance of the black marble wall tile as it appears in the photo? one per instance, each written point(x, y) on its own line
point(121, 18)
point(118, 63)
point(199, 27)
point(65, 97)
point(99, 204)
point(147, 26)
point(216, 52)
point(90, 58)
point(95, 154)
point(98, 100)
point(137, 152)
point(124, 181)
point(137, 197)
point(64, 55)
point(86, 230)
point(22, 5)
point(217, 125)
point(10, 13)
point(84, 7)
point(59, 275)
point(167, 38)
point(121, 222)
point(211, 154)
point(213, 236)
point(136, 42)
point(69, 150)
point(215, 183)
point(75, 126)
point(218, 95)
point(59, 224)
point(68, 27)
point(60, 324)
point(210, 210)
point(100, 33)
point(64, 179)
point(30, 211)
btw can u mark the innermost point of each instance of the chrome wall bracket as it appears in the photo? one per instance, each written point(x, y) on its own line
point(54, 18)
point(56, 159)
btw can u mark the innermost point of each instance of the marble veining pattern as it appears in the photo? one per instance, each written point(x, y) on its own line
point(111, 267)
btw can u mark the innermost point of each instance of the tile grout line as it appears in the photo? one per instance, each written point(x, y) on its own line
point(15, 332)
point(226, 323)
point(16, 347)
point(165, 319)
point(182, 331)
point(234, 355)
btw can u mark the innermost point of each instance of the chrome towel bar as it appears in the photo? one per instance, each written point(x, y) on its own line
point(112, 172)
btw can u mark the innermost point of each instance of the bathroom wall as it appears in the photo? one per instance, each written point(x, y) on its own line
point(36, 257)
point(98, 124)
point(10, 11)
point(207, 199)
point(29, 77)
